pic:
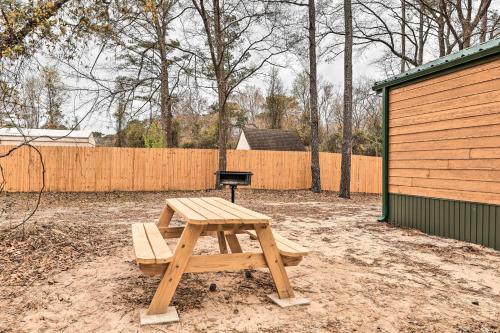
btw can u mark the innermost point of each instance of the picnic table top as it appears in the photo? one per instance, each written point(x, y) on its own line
point(213, 210)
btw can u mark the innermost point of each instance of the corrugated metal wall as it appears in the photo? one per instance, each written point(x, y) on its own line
point(472, 222)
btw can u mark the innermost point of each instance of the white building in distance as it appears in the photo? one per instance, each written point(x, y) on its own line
point(12, 136)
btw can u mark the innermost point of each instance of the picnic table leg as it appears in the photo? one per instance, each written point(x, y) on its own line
point(233, 243)
point(175, 269)
point(222, 242)
point(165, 217)
point(274, 261)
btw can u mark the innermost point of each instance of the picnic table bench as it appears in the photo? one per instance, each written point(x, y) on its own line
point(210, 217)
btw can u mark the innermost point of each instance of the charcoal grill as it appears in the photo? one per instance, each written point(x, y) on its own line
point(233, 179)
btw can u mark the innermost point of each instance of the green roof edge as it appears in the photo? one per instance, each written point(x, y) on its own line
point(467, 55)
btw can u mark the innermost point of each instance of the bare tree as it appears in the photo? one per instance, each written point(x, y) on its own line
point(54, 98)
point(345, 176)
point(468, 21)
point(329, 105)
point(138, 32)
point(458, 22)
point(234, 31)
point(252, 103)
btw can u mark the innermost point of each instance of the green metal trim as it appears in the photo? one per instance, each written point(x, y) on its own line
point(385, 155)
point(473, 222)
point(450, 62)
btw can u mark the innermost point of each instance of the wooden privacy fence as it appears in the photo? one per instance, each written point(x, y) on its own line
point(79, 169)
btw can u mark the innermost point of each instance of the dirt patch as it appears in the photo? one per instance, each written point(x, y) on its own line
point(76, 272)
point(47, 249)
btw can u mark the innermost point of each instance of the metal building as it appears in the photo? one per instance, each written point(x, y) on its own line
point(441, 167)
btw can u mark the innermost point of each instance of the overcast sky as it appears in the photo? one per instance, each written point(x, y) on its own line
point(333, 72)
point(363, 66)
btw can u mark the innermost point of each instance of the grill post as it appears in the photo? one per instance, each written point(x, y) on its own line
point(233, 193)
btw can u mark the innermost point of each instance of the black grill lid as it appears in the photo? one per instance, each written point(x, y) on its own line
point(234, 177)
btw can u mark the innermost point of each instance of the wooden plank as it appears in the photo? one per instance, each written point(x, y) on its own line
point(230, 262)
point(489, 198)
point(208, 214)
point(405, 181)
point(470, 90)
point(480, 153)
point(186, 212)
point(460, 133)
point(286, 247)
point(437, 81)
point(451, 184)
point(251, 214)
point(489, 108)
point(222, 242)
point(162, 252)
point(165, 216)
point(274, 261)
point(171, 232)
point(448, 85)
point(232, 210)
point(175, 269)
point(482, 120)
point(418, 164)
point(227, 216)
point(481, 175)
point(441, 144)
point(449, 154)
point(413, 173)
point(221, 262)
point(209, 230)
point(234, 244)
point(457, 103)
point(476, 164)
point(226, 262)
point(142, 249)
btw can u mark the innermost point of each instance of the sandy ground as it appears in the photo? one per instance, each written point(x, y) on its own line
point(74, 272)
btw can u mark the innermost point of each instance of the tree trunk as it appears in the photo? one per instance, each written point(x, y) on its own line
point(484, 28)
point(221, 86)
point(313, 87)
point(120, 136)
point(420, 58)
point(345, 177)
point(403, 32)
point(222, 125)
point(166, 104)
point(441, 36)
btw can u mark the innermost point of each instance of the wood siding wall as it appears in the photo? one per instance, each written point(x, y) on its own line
point(74, 169)
point(444, 136)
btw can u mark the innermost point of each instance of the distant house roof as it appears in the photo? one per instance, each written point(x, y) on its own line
point(46, 137)
point(270, 139)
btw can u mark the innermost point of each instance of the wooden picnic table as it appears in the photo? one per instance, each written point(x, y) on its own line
point(203, 217)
